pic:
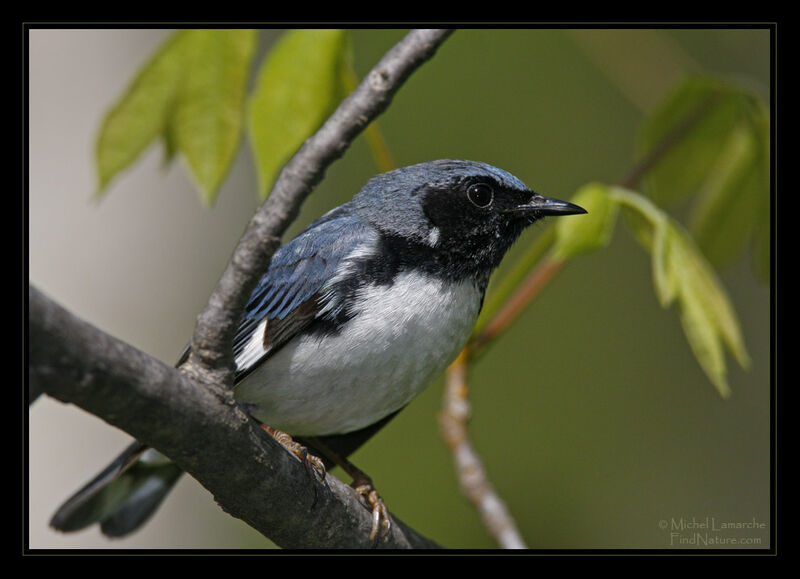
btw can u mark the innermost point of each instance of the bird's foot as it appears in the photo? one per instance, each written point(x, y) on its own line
point(381, 520)
point(313, 464)
point(362, 484)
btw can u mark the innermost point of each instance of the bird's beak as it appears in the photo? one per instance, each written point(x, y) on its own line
point(547, 206)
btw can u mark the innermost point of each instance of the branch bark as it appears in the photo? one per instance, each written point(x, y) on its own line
point(250, 475)
point(190, 415)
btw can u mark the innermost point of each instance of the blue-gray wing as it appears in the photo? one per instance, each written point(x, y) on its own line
point(297, 287)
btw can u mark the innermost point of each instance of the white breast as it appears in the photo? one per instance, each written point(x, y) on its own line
point(402, 338)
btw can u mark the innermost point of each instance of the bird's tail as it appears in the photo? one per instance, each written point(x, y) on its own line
point(123, 496)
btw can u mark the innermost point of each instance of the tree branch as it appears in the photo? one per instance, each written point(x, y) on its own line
point(250, 475)
point(201, 428)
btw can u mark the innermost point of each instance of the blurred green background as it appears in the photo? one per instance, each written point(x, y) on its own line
point(592, 416)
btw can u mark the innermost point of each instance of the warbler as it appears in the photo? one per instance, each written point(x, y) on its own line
point(354, 317)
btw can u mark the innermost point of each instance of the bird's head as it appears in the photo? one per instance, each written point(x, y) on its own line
point(462, 208)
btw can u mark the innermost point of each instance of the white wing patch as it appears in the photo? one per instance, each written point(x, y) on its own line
point(254, 348)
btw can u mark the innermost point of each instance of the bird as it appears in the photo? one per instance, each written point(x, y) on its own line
point(352, 319)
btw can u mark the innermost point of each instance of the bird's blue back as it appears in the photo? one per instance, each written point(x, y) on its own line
point(300, 269)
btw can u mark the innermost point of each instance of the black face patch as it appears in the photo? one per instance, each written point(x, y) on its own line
point(474, 218)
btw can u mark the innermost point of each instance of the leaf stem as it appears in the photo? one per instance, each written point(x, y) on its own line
point(530, 288)
point(499, 295)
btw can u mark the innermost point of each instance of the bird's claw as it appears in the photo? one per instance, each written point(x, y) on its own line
point(381, 520)
point(313, 464)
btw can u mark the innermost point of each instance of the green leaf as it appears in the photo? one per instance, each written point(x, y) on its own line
point(665, 278)
point(682, 274)
point(700, 333)
point(708, 290)
point(208, 114)
point(298, 86)
point(726, 214)
point(722, 221)
point(141, 113)
point(706, 313)
point(588, 232)
point(191, 93)
point(717, 136)
point(695, 120)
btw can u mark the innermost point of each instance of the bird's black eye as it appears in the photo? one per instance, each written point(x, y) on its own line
point(480, 194)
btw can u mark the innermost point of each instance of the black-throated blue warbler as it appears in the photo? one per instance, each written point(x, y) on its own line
point(353, 318)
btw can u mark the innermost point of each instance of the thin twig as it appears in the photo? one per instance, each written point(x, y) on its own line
point(455, 412)
point(471, 473)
